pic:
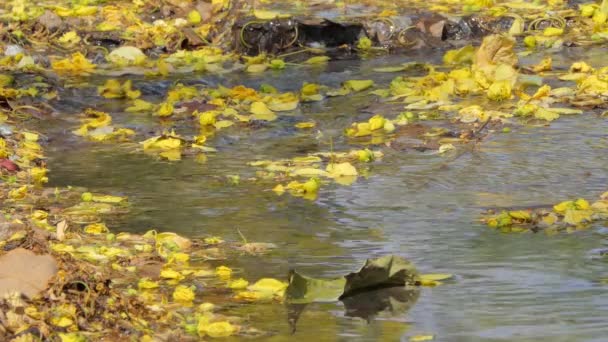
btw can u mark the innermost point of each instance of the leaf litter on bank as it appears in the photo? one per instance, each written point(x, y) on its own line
point(491, 70)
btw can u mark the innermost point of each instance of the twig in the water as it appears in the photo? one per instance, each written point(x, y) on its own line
point(475, 133)
point(242, 236)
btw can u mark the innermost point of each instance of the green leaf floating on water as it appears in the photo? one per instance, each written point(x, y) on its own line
point(383, 272)
point(303, 289)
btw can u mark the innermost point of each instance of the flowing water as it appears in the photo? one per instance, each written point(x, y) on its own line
point(424, 207)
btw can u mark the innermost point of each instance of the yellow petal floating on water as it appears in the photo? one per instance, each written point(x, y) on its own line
point(223, 124)
point(309, 172)
point(171, 155)
point(238, 284)
point(308, 189)
point(563, 206)
point(162, 143)
point(433, 279)
point(499, 91)
point(89, 197)
point(208, 118)
point(544, 65)
point(78, 64)
point(421, 338)
point(256, 68)
point(243, 93)
point(436, 276)
point(277, 64)
point(178, 258)
point(580, 67)
point(165, 109)
point(546, 114)
point(575, 217)
point(305, 125)
point(96, 229)
point(260, 111)
point(184, 294)
point(522, 215)
point(581, 204)
point(279, 189)
point(284, 102)
point(462, 55)
point(270, 285)
point(139, 105)
point(317, 60)
point(376, 122)
point(223, 271)
point(264, 289)
point(359, 85)
point(341, 170)
point(216, 329)
point(445, 148)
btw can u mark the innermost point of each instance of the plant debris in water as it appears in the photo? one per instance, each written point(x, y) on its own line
point(568, 216)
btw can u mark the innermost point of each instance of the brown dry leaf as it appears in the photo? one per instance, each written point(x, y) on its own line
point(23, 271)
point(205, 10)
point(256, 247)
point(61, 228)
point(50, 21)
point(496, 49)
point(150, 269)
point(197, 105)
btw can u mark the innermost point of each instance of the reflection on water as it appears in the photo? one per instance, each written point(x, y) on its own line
point(394, 301)
point(527, 287)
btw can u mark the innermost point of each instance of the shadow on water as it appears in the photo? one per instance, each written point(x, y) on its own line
point(395, 301)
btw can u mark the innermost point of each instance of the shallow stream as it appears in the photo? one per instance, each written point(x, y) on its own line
point(424, 207)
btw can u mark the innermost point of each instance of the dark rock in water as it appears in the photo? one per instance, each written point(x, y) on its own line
point(466, 28)
point(329, 33)
point(50, 21)
point(414, 31)
point(109, 40)
point(475, 27)
point(253, 36)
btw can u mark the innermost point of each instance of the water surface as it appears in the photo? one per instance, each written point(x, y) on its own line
point(424, 207)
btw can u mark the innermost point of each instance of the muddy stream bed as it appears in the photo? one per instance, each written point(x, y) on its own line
point(422, 206)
